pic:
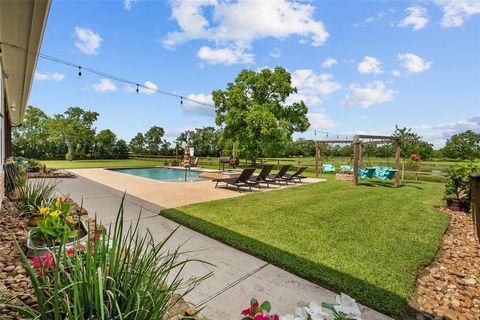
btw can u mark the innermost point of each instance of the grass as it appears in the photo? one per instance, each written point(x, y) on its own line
point(368, 241)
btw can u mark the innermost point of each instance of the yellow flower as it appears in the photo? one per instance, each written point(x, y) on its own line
point(55, 213)
point(69, 219)
point(59, 202)
point(44, 211)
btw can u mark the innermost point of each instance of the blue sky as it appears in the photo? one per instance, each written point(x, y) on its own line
point(360, 66)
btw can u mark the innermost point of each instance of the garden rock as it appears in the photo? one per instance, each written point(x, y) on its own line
point(449, 287)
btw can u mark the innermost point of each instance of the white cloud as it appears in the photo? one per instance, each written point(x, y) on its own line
point(235, 25)
point(456, 12)
point(373, 93)
point(105, 85)
point(275, 53)
point(413, 63)
point(328, 63)
point(199, 109)
point(320, 121)
point(55, 76)
point(127, 4)
point(370, 65)
point(417, 18)
point(396, 73)
point(311, 86)
point(87, 41)
point(439, 133)
point(371, 19)
point(224, 56)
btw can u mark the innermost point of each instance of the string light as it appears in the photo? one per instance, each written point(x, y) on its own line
point(137, 89)
point(103, 74)
point(181, 100)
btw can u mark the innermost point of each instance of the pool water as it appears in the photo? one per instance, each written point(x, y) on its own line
point(164, 174)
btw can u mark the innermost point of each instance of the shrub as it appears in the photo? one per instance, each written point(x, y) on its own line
point(12, 175)
point(36, 194)
point(458, 183)
point(120, 275)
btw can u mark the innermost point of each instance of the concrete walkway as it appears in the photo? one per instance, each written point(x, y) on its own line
point(237, 276)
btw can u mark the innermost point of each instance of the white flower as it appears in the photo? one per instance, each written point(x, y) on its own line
point(348, 306)
point(312, 311)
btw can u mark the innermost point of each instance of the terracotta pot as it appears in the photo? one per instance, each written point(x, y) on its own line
point(34, 222)
point(457, 205)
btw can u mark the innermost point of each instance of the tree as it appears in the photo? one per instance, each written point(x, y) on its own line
point(254, 112)
point(153, 140)
point(205, 141)
point(105, 142)
point(31, 138)
point(465, 145)
point(137, 144)
point(74, 127)
point(422, 148)
point(120, 150)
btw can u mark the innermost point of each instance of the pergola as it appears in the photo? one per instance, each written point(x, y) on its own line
point(358, 142)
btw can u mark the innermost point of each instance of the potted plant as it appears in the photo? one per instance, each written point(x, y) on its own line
point(56, 226)
point(457, 186)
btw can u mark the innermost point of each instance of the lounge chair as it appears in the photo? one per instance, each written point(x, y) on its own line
point(273, 178)
point(328, 168)
point(346, 169)
point(194, 163)
point(262, 176)
point(242, 180)
point(297, 175)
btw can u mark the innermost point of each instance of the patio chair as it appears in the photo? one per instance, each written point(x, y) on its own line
point(262, 176)
point(277, 177)
point(297, 175)
point(346, 169)
point(242, 180)
point(328, 168)
point(194, 162)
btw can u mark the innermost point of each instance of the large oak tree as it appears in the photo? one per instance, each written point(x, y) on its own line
point(254, 112)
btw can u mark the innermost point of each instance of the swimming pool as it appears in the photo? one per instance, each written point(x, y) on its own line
point(164, 174)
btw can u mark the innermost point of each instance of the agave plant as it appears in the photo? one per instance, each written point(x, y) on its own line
point(121, 274)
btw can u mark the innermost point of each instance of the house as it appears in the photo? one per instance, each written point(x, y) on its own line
point(22, 25)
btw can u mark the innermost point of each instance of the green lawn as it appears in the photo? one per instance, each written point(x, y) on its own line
point(79, 164)
point(368, 241)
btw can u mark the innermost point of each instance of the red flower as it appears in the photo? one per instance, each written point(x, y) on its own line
point(249, 311)
point(70, 252)
point(261, 316)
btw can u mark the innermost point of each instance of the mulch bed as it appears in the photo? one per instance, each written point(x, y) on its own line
point(58, 174)
point(449, 288)
point(15, 285)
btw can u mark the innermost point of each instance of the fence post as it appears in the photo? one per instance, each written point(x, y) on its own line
point(475, 197)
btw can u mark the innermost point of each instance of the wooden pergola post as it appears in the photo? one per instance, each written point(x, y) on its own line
point(316, 157)
point(360, 155)
point(356, 149)
point(397, 163)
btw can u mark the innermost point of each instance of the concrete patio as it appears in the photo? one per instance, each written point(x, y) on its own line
point(237, 276)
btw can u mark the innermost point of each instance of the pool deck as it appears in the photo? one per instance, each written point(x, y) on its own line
point(169, 194)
